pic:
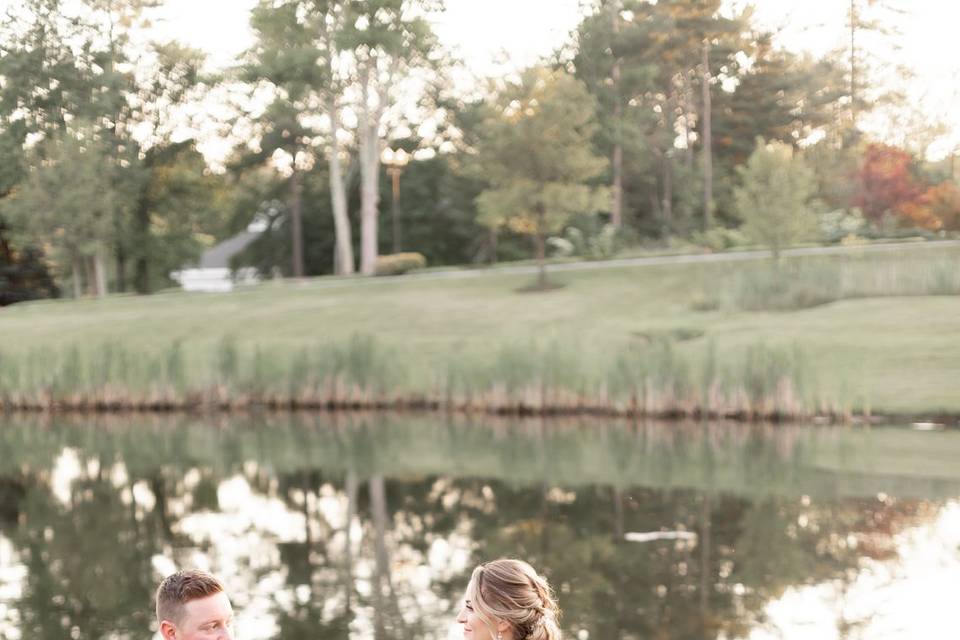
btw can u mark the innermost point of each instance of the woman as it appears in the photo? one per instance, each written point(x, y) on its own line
point(507, 600)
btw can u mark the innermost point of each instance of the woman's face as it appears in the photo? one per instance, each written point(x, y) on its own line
point(474, 627)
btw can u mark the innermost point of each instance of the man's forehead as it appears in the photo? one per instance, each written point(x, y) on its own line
point(212, 606)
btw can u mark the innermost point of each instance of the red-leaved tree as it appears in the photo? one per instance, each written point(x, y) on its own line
point(886, 183)
point(944, 202)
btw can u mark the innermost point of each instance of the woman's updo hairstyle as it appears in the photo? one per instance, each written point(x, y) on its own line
point(511, 591)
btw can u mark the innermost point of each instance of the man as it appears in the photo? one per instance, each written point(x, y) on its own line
point(192, 605)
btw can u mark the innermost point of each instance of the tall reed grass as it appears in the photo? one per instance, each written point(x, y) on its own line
point(652, 378)
point(799, 284)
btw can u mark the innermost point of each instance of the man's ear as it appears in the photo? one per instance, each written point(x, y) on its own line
point(168, 630)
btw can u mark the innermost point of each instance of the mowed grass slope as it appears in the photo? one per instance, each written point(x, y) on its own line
point(898, 354)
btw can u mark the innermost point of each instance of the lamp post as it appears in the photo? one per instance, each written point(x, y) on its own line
point(395, 160)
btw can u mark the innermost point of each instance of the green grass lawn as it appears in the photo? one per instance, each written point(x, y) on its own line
point(889, 353)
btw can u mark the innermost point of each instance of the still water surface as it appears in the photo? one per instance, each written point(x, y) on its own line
point(367, 526)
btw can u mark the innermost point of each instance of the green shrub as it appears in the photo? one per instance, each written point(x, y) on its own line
point(604, 244)
point(839, 224)
point(720, 238)
point(399, 263)
point(595, 243)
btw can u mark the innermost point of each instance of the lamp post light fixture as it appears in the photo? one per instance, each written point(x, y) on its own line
point(395, 160)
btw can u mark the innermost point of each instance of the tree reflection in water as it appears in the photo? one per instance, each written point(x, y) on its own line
point(367, 526)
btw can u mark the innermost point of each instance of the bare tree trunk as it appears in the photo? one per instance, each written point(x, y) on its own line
point(395, 206)
point(96, 276)
point(707, 142)
point(853, 64)
point(616, 207)
point(90, 275)
point(296, 219)
point(540, 242)
point(655, 204)
point(100, 275)
point(77, 278)
point(689, 107)
point(141, 221)
point(369, 179)
point(369, 202)
point(667, 207)
point(338, 197)
point(121, 256)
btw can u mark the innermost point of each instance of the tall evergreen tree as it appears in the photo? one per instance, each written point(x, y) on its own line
point(782, 96)
point(662, 93)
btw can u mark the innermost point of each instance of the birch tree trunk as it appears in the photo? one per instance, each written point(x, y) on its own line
point(101, 271)
point(369, 177)
point(370, 201)
point(707, 142)
point(338, 197)
point(96, 275)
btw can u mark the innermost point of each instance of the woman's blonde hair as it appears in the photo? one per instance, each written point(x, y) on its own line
point(511, 591)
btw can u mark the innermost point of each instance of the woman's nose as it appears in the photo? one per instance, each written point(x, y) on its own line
point(462, 616)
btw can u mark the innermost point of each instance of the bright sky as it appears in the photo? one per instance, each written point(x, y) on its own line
point(493, 36)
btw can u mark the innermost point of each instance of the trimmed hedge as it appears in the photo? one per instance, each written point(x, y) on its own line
point(399, 263)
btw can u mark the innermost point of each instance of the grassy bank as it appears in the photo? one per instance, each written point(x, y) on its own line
point(722, 337)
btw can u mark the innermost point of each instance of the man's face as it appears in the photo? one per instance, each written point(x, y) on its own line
point(209, 618)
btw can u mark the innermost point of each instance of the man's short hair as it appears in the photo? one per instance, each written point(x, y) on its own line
point(178, 589)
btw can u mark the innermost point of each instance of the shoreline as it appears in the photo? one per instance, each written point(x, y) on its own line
point(933, 420)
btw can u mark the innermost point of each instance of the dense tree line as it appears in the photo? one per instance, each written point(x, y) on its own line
point(652, 124)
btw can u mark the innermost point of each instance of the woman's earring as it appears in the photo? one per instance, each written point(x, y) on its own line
point(499, 635)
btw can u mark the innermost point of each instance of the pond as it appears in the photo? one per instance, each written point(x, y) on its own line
point(367, 525)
